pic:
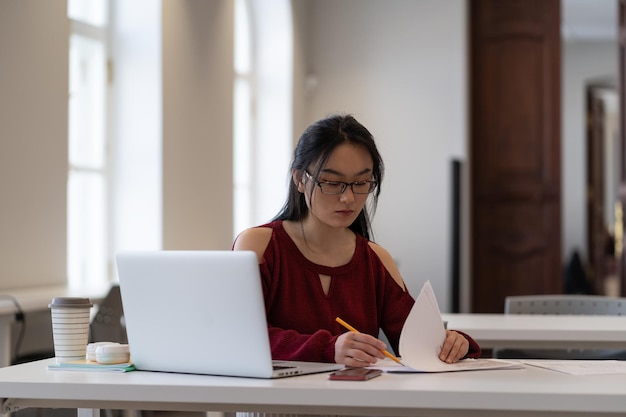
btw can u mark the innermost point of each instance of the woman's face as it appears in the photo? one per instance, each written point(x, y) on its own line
point(347, 163)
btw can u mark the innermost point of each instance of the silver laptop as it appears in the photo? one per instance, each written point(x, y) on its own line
point(200, 312)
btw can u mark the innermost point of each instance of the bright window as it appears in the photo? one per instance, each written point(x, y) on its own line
point(243, 117)
point(263, 109)
point(87, 172)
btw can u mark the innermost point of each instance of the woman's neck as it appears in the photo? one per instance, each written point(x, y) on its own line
point(319, 233)
point(321, 243)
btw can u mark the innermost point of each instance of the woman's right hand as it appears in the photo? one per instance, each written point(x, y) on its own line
point(358, 349)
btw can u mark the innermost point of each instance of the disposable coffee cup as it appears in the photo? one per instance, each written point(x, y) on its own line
point(70, 327)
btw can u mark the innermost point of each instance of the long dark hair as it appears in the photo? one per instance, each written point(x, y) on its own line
point(314, 148)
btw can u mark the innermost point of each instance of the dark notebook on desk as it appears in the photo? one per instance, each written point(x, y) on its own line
point(200, 312)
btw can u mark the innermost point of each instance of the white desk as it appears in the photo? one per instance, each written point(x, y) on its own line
point(514, 393)
point(542, 331)
point(31, 300)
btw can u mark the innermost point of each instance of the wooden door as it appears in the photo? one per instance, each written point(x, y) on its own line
point(515, 65)
point(596, 230)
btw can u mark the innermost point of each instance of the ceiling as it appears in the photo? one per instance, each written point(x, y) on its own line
point(589, 19)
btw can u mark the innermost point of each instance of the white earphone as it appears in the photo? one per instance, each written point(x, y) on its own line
point(108, 352)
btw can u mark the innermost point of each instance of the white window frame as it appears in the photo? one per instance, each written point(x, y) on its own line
point(88, 214)
point(261, 159)
point(243, 118)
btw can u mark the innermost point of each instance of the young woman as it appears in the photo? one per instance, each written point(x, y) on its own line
point(317, 260)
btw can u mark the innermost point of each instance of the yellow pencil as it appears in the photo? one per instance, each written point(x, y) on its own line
point(347, 326)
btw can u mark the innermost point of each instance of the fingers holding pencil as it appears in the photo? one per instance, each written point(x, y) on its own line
point(363, 354)
point(357, 349)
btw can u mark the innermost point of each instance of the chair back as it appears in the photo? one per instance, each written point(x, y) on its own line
point(563, 304)
point(108, 323)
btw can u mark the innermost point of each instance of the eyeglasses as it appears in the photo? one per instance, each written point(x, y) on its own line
point(338, 187)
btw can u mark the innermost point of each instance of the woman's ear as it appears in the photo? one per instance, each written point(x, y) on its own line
point(298, 180)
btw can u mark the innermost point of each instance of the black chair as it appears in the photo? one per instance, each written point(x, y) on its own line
point(108, 323)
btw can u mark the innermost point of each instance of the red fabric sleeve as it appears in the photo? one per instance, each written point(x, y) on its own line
point(474, 349)
point(291, 345)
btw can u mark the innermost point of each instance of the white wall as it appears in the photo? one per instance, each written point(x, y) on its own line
point(33, 142)
point(197, 124)
point(401, 72)
point(582, 61)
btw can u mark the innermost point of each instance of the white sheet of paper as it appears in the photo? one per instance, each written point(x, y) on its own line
point(581, 367)
point(423, 335)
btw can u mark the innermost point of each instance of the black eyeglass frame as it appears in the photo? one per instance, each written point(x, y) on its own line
point(344, 185)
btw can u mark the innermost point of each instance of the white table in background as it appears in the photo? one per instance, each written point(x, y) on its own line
point(513, 393)
point(542, 331)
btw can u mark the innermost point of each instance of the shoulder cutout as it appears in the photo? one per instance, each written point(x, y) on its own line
point(389, 263)
point(255, 239)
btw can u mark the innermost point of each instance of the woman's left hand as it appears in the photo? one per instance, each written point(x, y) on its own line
point(454, 348)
